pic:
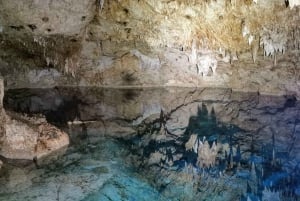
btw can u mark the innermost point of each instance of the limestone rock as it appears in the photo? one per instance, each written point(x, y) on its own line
point(50, 139)
point(27, 138)
point(66, 17)
point(206, 154)
point(151, 43)
point(23, 137)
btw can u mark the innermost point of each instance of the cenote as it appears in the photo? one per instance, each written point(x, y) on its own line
point(159, 144)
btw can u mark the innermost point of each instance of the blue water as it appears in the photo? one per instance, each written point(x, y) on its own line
point(111, 157)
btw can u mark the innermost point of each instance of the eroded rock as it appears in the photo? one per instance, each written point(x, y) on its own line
point(27, 138)
point(23, 137)
point(151, 43)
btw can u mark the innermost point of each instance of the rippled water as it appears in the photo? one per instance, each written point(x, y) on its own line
point(160, 144)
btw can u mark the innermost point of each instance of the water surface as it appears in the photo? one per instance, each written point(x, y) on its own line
point(143, 144)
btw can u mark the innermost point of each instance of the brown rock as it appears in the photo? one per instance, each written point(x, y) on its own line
point(50, 139)
point(27, 138)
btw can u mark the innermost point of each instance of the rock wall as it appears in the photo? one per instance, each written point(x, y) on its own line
point(244, 45)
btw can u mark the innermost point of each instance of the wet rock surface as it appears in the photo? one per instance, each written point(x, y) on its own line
point(186, 144)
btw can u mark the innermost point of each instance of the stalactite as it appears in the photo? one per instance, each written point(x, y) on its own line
point(254, 49)
point(273, 41)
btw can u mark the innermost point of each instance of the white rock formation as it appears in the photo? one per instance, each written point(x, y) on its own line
point(269, 195)
point(206, 154)
point(146, 61)
point(192, 143)
point(204, 61)
point(273, 41)
point(294, 3)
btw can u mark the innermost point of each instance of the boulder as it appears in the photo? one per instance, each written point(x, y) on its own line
point(23, 137)
point(29, 138)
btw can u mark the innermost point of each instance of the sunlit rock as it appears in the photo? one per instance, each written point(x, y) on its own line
point(294, 3)
point(151, 43)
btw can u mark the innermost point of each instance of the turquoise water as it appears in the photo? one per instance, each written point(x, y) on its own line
point(144, 145)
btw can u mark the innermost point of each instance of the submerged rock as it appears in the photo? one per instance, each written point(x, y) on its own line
point(123, 187)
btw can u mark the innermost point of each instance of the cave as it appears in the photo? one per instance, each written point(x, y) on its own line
point(150, 100)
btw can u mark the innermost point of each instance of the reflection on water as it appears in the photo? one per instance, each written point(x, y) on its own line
point(161, 144)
